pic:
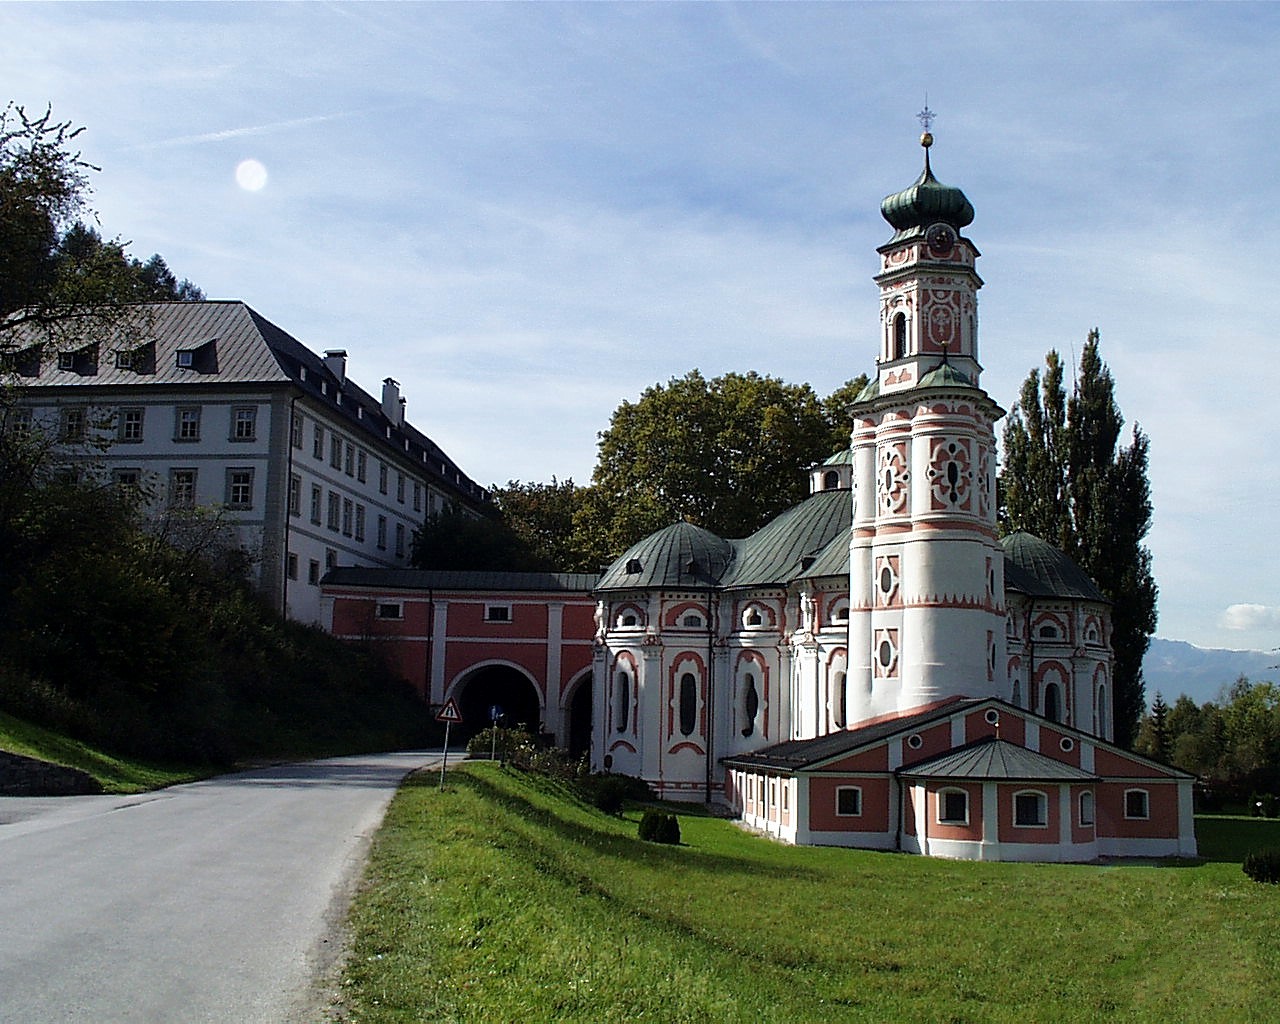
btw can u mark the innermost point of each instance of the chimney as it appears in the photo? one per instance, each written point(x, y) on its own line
point(392, 403)
point(403, 403)
point(335, 360)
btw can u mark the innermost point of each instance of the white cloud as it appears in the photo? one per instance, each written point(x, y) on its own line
point(1251, 616)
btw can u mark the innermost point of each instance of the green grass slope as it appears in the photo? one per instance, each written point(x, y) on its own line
point(502, 899)
point(117, 774)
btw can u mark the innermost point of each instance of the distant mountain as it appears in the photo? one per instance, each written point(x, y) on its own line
point(1174, 667)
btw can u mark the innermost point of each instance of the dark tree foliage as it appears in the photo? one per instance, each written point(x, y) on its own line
point(457, 539)
point(58, 278)
point(1067, 479)
point(542, 516)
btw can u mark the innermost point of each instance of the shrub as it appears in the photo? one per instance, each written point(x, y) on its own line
point(1263, 866)
point(660, 827)
point(1270, 806)
point(514, 745)
point(606, 791)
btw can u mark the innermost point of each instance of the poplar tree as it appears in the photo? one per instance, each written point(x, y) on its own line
point(1067, 478)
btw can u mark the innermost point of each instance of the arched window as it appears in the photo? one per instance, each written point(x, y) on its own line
point(688, 703)
point(900, 336)
point(830, 480)
point(1102, 711)
point(1052, 703)
point(621, 700)
point(1086, 808)
point(840, 701)
point(1017, 693)
point(1030, 809)
point(750, 705)
point(953, 807)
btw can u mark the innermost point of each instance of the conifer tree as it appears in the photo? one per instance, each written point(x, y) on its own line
point(1067, 478)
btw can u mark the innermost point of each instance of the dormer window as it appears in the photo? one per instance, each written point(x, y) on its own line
point(186, 358)
point(66, 360)
point(124, 359)
point(830, 480)
point(633, 566)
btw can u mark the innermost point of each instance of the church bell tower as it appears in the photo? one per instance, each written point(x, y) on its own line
point(926, 587)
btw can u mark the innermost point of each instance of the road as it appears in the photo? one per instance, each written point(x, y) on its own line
point(219, 901)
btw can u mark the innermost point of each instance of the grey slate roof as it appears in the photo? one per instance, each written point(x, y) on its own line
point(680, 555)
point(1038, 569)
point(794, 755)
point(234, 345)
point(996, 759)
point(423, 579)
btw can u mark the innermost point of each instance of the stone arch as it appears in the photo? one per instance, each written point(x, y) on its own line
point(576, 710)
point(497, 682)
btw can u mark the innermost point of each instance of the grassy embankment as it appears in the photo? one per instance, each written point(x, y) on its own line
point(117, 774)
point(502, 899)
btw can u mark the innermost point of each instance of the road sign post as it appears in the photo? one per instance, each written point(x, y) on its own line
point(495, 716)
point(447, 714)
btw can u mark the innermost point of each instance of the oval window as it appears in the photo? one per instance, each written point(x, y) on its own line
point(1067, 744)
point(886, 653)
point(688, 703)
point(886, 580)
point(914, 741)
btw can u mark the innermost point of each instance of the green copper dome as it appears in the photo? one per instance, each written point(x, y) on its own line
point(926, 202)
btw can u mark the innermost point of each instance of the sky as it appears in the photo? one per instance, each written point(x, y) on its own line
point(528, 213)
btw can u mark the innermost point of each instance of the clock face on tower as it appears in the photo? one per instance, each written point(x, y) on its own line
point(941, 239)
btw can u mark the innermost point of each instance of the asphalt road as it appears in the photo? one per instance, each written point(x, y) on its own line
point(219, 901)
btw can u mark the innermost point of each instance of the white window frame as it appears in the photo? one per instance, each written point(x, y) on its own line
point(1146, 805)
point(388, 610)
point(244, 423)
point(857, 791)
point(499, 613)
point(132, 422)
point(1042, 807)
point(942, 804)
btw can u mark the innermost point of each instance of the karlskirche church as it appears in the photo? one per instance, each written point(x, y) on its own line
point(875, 667)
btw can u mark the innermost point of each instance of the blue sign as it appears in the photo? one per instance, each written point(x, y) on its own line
point(495, 712)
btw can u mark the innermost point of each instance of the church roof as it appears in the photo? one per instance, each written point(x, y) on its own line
point(996, 759)
point(680, 555)
point(844, 458)
point(1038, 569)
point(926, 201)
point(778, 552)
point(439, 579)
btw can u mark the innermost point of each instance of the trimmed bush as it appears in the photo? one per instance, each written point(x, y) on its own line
point(660, 827)
point(1270, 805)
point(1263, 866)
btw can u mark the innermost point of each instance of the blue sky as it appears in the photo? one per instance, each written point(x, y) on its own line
point(527, 213)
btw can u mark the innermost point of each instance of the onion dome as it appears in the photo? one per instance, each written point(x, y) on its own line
point(680, 555)
point(926, 202)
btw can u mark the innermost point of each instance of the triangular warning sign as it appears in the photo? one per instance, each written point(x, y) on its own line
point(450, 712)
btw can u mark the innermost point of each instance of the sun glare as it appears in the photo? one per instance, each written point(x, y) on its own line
point(251, 175)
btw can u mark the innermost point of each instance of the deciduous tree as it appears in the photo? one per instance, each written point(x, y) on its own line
point(1067, 478)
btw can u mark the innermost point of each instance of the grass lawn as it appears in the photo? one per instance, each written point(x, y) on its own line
point(117, 774)
point(502, 899)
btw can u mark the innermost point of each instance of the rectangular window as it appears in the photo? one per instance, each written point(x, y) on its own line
point(313, 572)
point(849, 801)
point(359, 522)
point(399, 540)
point(317, 497)
point(953, 807)
point(335, 510)
point(124, 359)
point(130, 425)
point(362, 466)
point(244, 423)
point(497, 613)
point(348, 515)
point(295, 495)
point(1136, 804)
point(335, 451)
point(182, 488)
point(317, 442)
point(330, 559)
point(186, 358)
point(382, 533)
point(295, 431)
point(73, 424)
point(382, 478)
point(240, 488)
point(127, 477)
point(1030, 810)
point(293, 566)
point(349, 463)
point(400, 488)
point(417, 496)
point(388, 610)
point(22, 422)
point(186, 423)
point(66, 360)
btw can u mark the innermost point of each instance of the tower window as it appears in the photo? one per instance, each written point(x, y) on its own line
point(900, 336)
point(830, 480)
point(688, 703)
